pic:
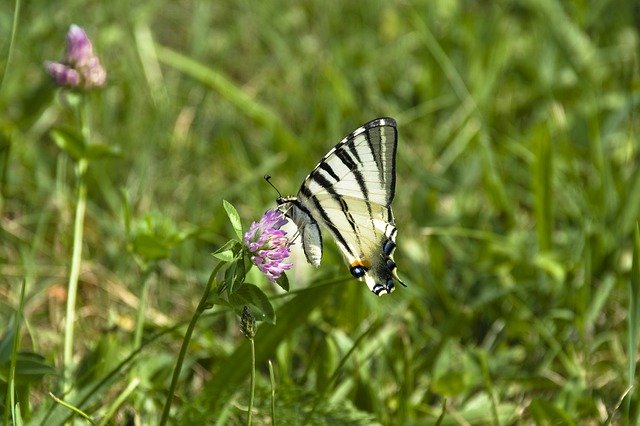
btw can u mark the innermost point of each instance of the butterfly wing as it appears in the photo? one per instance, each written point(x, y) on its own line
point(350, 193)
point(307, 227)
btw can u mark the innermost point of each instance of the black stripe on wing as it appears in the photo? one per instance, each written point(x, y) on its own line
point(377, 156)
point(347, 152)
point(306, 193)
point(346, 159)
point(384, 153)
point(328, 186)
point(327, 168)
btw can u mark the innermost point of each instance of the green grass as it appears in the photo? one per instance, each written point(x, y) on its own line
point(518, 197)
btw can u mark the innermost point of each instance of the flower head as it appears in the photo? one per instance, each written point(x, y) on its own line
point(81, 67)
point(268, 245)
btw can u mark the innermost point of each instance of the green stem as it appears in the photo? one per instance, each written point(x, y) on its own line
point(273, 394)
point(4, 164)
point(72, 289)
point(202, 306)
point(253, 381)
point(10, 402)
point(142, 307)
point(5, 71)
point(12, 40)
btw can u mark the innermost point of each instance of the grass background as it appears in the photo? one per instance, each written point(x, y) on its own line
point(517, 200)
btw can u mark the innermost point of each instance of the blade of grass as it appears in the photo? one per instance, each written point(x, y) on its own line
point(11, 395)
point(496, 189)
point(150, 66)
point(12, 39)
point(632, 339)
point(72, 408)
point(541, 175)
point(202, 306)
point(4, 154)
point(291, 316)
point(217, 81)
point(481, 357)
point(88, 395)
point(122, 397)
point(272, 379)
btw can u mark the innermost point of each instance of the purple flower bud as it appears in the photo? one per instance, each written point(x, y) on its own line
point(79, 48)
point(62, 74)
point(81, 68)
point(268, 245)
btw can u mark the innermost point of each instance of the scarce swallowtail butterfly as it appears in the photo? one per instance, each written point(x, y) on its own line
point(350, 193)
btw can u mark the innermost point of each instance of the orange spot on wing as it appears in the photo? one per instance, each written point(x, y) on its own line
point(362, 263)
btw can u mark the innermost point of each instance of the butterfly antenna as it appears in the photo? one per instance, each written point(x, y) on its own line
point(268, 179)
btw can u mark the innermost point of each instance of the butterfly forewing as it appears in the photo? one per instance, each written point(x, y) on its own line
point(350, 193)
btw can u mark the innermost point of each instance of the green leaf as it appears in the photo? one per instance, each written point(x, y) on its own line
point(453, 370)
point(230, 91)
point(151, 248)
point(283, 282)
point(228, 252)
point(18, 416)
point(544, 412)
point(634, 317)
point(70, 141)
point(234, 218)
point(126, 211)
point(6, 343)
point(225, 256)
point(99, 151)
point(542, 176)
point(235, 369)
point(249, 294)
point(234, 275)
point(451, 383)
point(30, 367)
point(154, 237)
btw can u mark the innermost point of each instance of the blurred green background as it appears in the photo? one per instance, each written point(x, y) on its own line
point(518, 194)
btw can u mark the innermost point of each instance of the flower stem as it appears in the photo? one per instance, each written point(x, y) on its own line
point(273, 394)
point(253, 381)
point(142, 307)
point(202, 306)
point(72, 289)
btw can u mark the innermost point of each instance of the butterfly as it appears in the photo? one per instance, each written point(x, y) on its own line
point(350, 193)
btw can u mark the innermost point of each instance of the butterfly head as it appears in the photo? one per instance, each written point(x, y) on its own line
point(285, 204)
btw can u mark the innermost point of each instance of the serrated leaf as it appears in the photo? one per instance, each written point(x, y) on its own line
point(234, 218)
point(70, 141)
point(249, 294)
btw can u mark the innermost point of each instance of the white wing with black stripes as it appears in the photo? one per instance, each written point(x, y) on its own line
point(350, 193)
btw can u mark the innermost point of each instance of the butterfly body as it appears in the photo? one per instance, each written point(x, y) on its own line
point(350, 193)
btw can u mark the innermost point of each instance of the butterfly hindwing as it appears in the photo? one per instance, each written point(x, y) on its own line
point(350, 192)
point(307, 227)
